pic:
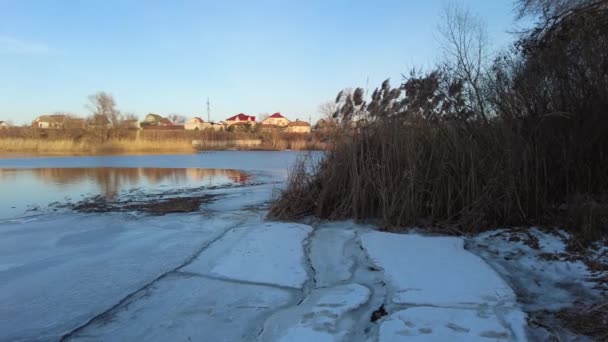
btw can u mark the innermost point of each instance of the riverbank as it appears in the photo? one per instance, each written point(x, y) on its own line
point(65, 146)
point(180, 247)
point(64, 142)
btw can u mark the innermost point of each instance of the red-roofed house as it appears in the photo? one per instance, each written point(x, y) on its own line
point(240, 119)
point(276, 119)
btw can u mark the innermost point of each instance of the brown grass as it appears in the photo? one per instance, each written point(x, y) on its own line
point(29, 140)
point(21, 145)
point(443, 175)
point(590, 321)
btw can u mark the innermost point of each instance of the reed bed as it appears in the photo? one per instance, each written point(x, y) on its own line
point(447, 177)
point(61, 146)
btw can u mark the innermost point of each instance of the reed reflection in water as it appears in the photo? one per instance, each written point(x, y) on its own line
point(111, 181)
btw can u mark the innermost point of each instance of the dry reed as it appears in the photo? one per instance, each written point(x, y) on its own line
point(439, 175)
point(24, 145)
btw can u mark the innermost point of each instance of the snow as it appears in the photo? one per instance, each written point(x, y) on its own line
point(435, 271)
point(331, 257)
point(184, 307)
point(240, 198)
point(227, 274)
point(541, 283)
point(317, 317)
point(58, 272)
point(271, 253)
point(443, 324)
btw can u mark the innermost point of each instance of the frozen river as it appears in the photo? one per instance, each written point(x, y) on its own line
point(30, 184)
point(223, 272)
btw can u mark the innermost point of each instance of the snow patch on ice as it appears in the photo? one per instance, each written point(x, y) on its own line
point(318, 316)
point(182, 308)
point(444, 324)
point(330, 256)
point(60, 271)
point(239, 198)
point(542, 280)
point(268, 253)
point(435, 271)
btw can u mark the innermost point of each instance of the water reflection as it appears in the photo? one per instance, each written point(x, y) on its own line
point(111, 181)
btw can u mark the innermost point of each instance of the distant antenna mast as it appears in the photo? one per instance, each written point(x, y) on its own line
point(208, 111)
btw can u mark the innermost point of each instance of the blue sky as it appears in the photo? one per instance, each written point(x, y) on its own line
point(246, 56)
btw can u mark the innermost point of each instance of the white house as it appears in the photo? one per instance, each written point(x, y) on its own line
point(276, 119)
point(198, 124)
point(195, 124)
point(298, 127)
point(55, 121)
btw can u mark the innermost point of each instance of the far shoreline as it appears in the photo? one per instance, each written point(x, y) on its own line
point(45, 154)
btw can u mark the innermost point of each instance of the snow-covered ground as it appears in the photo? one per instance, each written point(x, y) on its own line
point(546, 276)
point(226, 273)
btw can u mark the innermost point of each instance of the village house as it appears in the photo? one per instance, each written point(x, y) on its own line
point(152, 120)
point(4, 124)
point(130, 124)
point(298, 127)
point(157, 122)
point(195, 124)
point(268, 128)
point(216, 126)
point(166, 122)
point(54, 121)
point(275, 119)
point(75, 123)
point(198, 124)
point(240, 119)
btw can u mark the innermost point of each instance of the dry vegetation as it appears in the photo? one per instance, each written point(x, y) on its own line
point(44, 146)
point(520, 141)
point(81, 141)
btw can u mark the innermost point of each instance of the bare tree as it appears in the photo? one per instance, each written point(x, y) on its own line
point(328, 109)
point(102, 104)
point(549, 8)
point(263, 116)
point(466, 53)
point(130, 116)
point(177, 119)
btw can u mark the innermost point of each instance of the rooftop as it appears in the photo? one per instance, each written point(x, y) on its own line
point(241, 117)
point(53, 118)
point(298, 123)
